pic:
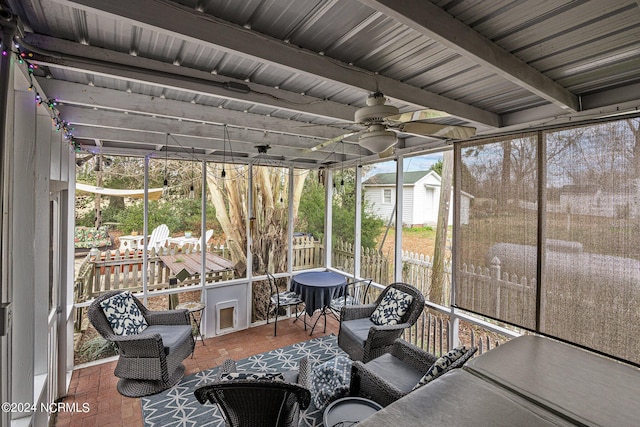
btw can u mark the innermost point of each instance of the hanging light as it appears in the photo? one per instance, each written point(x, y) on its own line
point(192, 193)
point(165, 185)
point(224, 149)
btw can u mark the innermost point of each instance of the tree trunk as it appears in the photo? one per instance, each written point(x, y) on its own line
point(436, 291)
point(268, 221)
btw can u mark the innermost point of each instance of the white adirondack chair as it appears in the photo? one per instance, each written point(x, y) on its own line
point(158, 237)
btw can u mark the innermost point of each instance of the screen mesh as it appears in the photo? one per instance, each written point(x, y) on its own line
point(588, 252)
point(497, 234)
point(591, 283)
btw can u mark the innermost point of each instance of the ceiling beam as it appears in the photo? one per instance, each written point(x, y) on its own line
point(78, 116)
point(430, 20)
point(59, 53)
point(190, 25)
point(180, 145)
point(92, 96)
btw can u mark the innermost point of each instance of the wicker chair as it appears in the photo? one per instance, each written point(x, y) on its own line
point(362, 339)
point(393, 375)
point(147, 364)
point(255, 403)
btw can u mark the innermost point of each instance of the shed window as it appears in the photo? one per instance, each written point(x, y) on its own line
point(386, 196)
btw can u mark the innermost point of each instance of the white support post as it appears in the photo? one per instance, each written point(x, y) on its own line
point(290, 222)
point(397, 273)
point(20, 227)
point(203, 229)
point(145, 230)
point(248, 231)
point(357, 240)
point(328, 217)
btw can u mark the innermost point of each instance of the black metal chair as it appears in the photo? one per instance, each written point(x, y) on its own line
point(364, 340)
point(255, 402)
point(391, 376)
point(356, 293)
point(150, 361)
point(279, 300)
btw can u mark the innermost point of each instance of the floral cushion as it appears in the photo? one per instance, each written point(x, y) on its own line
point(123, 314)
point(330, 380)
point(88, 237)
point(230, 376)
point(393, 306)
point(440, 366)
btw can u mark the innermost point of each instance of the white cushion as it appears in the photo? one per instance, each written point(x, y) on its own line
point(330, 380)
point(230, 376)
point(393, 306)
point(439, 367)
point(123, 314)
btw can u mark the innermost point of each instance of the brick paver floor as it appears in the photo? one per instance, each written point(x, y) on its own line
point(96, 385)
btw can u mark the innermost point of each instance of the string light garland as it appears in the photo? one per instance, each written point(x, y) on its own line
point(58, 123)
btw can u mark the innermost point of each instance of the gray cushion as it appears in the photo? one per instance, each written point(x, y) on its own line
point(395, 372)
point(172, 335)
point(357, 329)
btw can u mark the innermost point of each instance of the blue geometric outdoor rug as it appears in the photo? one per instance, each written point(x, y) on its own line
point(178, 407)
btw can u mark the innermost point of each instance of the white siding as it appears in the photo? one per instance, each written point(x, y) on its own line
point(408, 205)
point(374, 197)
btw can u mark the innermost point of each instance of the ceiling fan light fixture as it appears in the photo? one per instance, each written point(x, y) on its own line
point(376, 110)
point(377, 141)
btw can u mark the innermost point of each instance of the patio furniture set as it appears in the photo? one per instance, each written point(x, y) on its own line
point(152, 346)
point(530, 380)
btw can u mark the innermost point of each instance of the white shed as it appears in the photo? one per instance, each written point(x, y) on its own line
point(421, 197)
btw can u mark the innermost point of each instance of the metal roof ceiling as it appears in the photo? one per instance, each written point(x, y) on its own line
point(292, 73)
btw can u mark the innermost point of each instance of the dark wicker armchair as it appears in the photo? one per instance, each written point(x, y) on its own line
point(255, 403)
point(391, 376)
point(364, 340)
point(150, 361)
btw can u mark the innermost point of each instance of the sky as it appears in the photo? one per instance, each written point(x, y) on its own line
point(417, 163)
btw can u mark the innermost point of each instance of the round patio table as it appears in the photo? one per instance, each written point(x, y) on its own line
point(349, 411)
point(318, 288)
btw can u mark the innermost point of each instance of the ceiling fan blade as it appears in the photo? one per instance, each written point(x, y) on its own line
point(438, 130)
point(332, 141)
point(414, 116)
point(386, 153)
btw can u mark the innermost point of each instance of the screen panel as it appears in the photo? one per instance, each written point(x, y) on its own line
point(497, 230)
point(591, 286)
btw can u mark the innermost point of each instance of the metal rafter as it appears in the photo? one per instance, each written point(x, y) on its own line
point(186, 24)
point(435, 23)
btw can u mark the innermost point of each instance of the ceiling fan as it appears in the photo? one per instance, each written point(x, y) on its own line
point(382, 122)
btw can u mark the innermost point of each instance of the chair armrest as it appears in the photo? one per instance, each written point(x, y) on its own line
point(228, 366)
point(139, 346)
point(304, 372)
point(368, 384)
point(414, 356)
point(168, 317)
point(352, 312)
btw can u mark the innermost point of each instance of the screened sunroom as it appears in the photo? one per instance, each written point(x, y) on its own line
point(484, 152)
